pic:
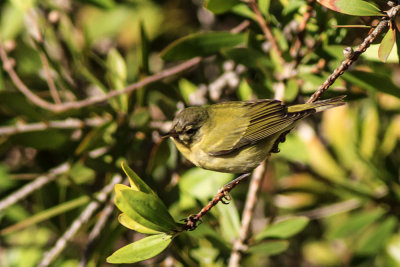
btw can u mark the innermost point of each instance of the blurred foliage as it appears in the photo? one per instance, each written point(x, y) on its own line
point(330, 197)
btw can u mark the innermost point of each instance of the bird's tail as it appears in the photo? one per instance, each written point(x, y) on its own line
point(318, 106)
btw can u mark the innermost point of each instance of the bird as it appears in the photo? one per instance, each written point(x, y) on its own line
point(236, 136)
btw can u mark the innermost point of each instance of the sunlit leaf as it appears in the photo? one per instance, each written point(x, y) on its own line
point(203, 184)
point(284, 229)
point(229, 221)
point(146, 209)
point(143, 249)
point(128, 222)
point(387, 45)
point(101, 3)
point(369, 134)
point(201, 44)
point(135, 181)
point(352, 7)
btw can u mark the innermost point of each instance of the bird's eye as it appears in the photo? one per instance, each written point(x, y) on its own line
point(191, 131)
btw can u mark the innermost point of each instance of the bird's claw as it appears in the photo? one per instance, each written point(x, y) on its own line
point(226, 199)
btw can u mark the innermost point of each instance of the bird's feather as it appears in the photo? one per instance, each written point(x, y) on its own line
point(255, 121)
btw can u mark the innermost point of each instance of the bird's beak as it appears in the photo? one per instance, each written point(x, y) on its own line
point(171, 133)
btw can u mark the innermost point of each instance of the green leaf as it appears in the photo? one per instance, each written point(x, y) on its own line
point(352, 7)
point(47, 214)
point(284, 229)
point(372, 82)
point(49, 139)
point(130, 223)
point(218, 6)
point(146, 209)
point(372, 53)
point(201, 44)
point(386, 45)
point(106, 4)
point(11, 21)
point(229, 221)
point(145, 48)
point(186, 88)
point(117, 75)
point(375, 240)
point(143, 249)
point(135, 181)
point(269, 248)
point(356, 223)
point(203, 184)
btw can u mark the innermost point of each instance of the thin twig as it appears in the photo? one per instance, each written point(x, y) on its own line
point(266, 30)
point(94, 234)
point(9, 68)
point(379, 29)
point(247, 216)
point(222, 195)
point(49, 78)
point(329, 210)
point(33, 186)
point(295, 50)
point(69, 123)
point(61, 243)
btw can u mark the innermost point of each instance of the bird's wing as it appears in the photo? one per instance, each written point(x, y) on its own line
point(259, 120)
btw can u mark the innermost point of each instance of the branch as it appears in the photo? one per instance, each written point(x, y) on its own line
point(266, 30)
point(222, 195)
point(49, 78)
point(380, 28)
point(69, 123)
point(295, 50)
point(8, 66)
point(33, 186)
point(94, 234)
point(61, 243)
point(247, 216)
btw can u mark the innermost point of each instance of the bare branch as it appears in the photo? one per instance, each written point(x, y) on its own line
point(49, 78)
point(96, 231)
point(247, 216)
point(69, 123)
point(9, 68)
point(33, 186)
point(266, 30)
point(61, 243)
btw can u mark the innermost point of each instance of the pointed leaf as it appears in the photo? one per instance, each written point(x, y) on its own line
point(135, 181)
point(386, 45)
point(201, 44)
point(269, 248)
point(284, 229)
point(372, 82)
point(143, 249)
point(229, 221)
point(352, 7)
point(128, 222)
point(146, 208)
point(356, 223)
point(144, 42)
point(375, 240)
point(218, 6)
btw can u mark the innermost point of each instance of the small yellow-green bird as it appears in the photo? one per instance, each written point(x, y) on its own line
point(237, 136)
